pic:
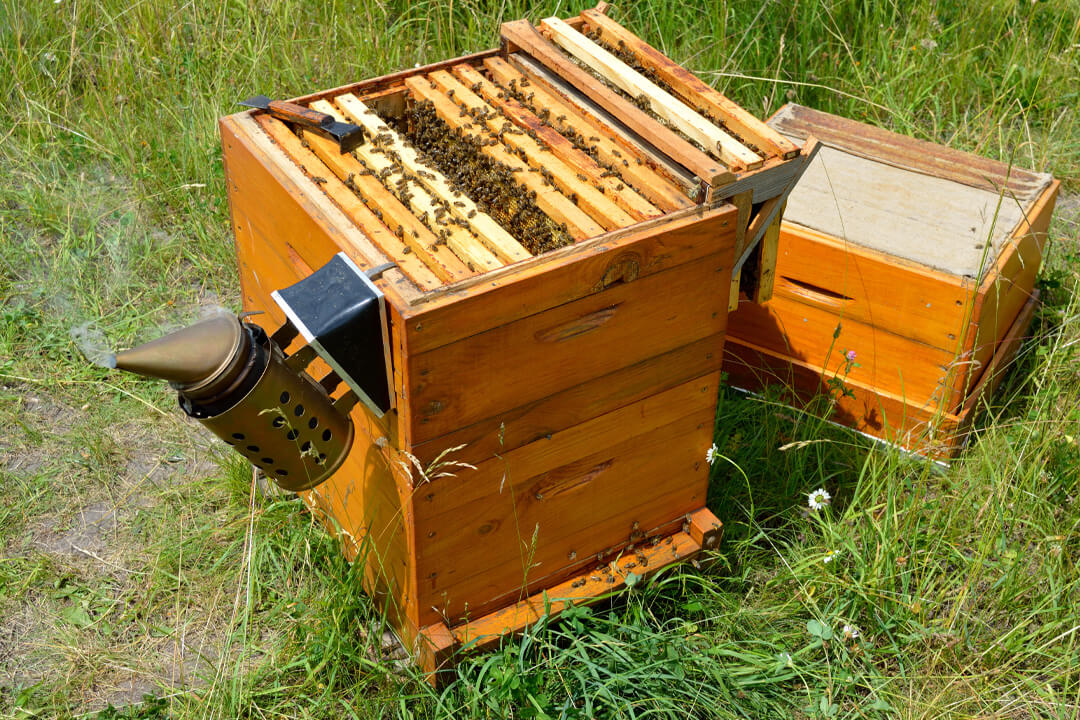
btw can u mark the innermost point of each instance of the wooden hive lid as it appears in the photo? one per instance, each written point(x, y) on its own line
point(905, 197)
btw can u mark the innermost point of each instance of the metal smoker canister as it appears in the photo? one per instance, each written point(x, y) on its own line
point(237, 382)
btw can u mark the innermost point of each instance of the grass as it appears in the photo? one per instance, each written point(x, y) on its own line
point(221, 602)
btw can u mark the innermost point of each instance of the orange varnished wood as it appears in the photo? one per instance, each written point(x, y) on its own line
point(555, 509)
point(523, 35)
point(548, 352)
point(623, 157)
point(539, 419)
point(350, 204)
point(602, 209)
point(692, 90)
point(556, 205)
point(895, 363)
point(568, 274)
point(626, 198)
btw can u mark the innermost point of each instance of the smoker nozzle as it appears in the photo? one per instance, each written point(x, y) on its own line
point(238, 382)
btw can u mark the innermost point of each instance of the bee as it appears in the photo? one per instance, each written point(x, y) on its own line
point(406, 250)
point(582, 178)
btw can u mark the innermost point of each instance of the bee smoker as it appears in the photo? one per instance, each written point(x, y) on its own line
point(238, 381)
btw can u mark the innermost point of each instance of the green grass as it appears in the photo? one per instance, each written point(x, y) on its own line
point(963, 582)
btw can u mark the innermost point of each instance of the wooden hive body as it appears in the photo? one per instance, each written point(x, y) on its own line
point(578, 384)
point(925, 259)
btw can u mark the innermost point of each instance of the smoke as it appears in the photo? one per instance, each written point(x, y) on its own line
point(91, 342)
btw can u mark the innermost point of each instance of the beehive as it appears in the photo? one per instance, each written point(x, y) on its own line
point(919, 259)
point(565, 235)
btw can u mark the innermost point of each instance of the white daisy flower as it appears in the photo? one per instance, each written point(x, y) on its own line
point(851, 632)
point(830, 556)
point(712, 454)
point(819, 499)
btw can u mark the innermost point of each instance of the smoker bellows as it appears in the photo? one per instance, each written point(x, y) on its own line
point(558, 228)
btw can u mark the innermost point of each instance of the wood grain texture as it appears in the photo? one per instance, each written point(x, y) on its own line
point(923, 374)
point(293, 203)
point(910, 154)
point(462, 243)
point(870, 286)
point(602, 209)
point(870, 409)
point(568, 274)
point(729, 150)
point(490, 233)
point(523, 35)
point(553, 203)
point(541, 418)
point(350, 204)
point(626, 198)
point(562, 500)
point(494, 371)
point(690, 89)
point(590, 585)
point(665, 194)
point(766, 270)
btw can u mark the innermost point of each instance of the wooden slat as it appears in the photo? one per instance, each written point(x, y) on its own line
point(868, 408)
point(923, 374)
point(659, 190)
point(602, 209)
point(766, 270)
point(597, 396)
point(639, 469)
point(570, 273)
point(498, 240)
point(438, 258)
point(908, 153)
point(730, 151)
point(553, 203)
point(370, 225)
point(870, 286)
point(295, 205)
point(486, 632)
point(623, 196)
point(691, 89)
point(627, 140)
point(562, 347)
point(523, 35)
point(466, 247)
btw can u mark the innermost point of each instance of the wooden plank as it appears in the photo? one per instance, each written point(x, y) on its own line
point(466, 247)
point(1004, 353)
point(568, 274)
point(923, 374)
point(766, 270)
point(868, 409)
point(729, 150)
point(665, 194)
point(521, 425)
point(602, 209)
point(518, 363)
point(771, 209)
point(486, 632)
point(1011, 282)
point(553, 203)
point(498, 240)
point(626, 198)
point(523, 35)
point(692, 90)
point(872, 287)
point(295, 205)
point(572, 507)
point(471, 488)
point(346, 199)
point(629, 141)
point(908, 153)
point(413, 233)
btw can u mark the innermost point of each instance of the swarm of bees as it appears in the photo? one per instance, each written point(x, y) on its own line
point(489, 183)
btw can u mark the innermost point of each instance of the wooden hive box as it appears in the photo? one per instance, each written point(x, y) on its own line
point(556, 314)
point(923, 260)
